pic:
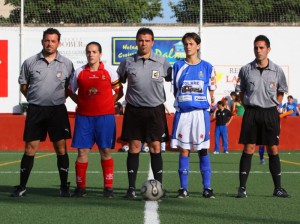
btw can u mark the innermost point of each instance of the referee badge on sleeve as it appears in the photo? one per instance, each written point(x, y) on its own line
point(155, 74)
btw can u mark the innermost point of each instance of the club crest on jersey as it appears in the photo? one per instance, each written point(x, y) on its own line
point(200, 74)
point(272, 85)
point(92, 91)
point(59, 74)
point(155, 74)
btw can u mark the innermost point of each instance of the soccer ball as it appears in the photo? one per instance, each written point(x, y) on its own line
point(125, 148)
point(145, 149)
point(152, 190)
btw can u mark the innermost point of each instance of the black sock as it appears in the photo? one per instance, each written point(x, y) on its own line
point(26, 166)
point(132, 168)
point(275, 169)
point(63, 169)
point(245, 166)
point(157, 166)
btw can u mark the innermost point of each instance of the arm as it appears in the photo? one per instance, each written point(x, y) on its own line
point(228, 122)
point(118, 94)
point(280, 97)
point(72, 95)
point(23, 89)
point(214, 114)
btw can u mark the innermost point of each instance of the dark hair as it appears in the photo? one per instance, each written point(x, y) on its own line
point(233, 94)
point(193, 36)
point(290, 96)
point(221, 102)
point(263, 38)
point(144, 30)
point(94, 43)
point(52, 31)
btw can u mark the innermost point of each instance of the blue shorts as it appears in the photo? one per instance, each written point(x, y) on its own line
point(94, 129)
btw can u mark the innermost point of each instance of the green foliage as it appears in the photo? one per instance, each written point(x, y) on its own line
point(86, 11)
point(222, 11)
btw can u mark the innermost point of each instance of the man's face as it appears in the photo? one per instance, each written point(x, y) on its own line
point(50, 43)
point(144, 43)
point(261, 50)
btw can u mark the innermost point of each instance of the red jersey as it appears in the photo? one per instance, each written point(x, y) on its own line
point(95, 90)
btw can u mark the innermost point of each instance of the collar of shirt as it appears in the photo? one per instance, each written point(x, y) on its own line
point(271, 65)
point(57, 58)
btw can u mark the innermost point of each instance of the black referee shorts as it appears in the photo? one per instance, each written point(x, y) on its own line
point(260, 126)
point(146, 124)
point(41, 120)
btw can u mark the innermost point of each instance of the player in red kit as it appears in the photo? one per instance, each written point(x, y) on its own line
point(98, 88)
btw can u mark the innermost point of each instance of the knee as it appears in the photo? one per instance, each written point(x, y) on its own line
point(202, 152)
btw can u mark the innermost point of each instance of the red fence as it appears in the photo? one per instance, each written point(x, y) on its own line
point(11, 129)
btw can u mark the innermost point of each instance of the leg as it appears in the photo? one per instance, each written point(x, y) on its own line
point(245, 167)
point(225, 138)
point(274, 165)
point(261, 150)
point(217, 140)
point(81, 166)
point(26, 167)
point(156, 160)
point(62, 162)
point(205, 169)
point(133, 161)
point(107, 164)
point(183, 171)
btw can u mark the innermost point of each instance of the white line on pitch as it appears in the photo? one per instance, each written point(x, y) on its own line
point(165, 172)
point(151, 207)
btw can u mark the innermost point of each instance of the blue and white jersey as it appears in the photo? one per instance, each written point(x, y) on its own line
point(191, 85)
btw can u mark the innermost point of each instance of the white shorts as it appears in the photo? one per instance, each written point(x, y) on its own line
point(191, 130)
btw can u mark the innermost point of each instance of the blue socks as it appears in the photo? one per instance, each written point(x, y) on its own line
point(205, 170)
point(183, 171)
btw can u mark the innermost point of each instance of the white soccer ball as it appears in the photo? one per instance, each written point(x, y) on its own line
point(152, 190)
point(145, 149)
point(125, 148)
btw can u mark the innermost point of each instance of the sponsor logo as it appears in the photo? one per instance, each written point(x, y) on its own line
point(185, 98)
point(200, 98)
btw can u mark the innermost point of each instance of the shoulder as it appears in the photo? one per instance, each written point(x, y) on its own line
point(179, 63)
point(80, 69)
point(275, 67)
point(32, 59)
point(111, 71)
point(158, 58)
point(66, 60)
point(206, 63)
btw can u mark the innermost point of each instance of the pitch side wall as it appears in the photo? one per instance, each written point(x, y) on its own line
point(228, 48)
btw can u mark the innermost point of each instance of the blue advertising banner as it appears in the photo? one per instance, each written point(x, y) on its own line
point(170, 48)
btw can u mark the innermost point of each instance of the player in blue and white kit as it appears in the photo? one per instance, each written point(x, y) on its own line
point(194, 84)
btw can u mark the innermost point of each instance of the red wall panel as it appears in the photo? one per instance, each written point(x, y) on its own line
point(3, 68)
point(11, 129)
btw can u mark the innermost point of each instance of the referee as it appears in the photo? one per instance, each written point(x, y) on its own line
point(43, 80)
point(262, 86)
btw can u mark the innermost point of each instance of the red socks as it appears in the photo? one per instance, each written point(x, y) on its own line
point(81, 174)
point(107, 169)
point(108, 172)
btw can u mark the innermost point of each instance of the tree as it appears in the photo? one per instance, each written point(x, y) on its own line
point(86, 11)
point(222, 11)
